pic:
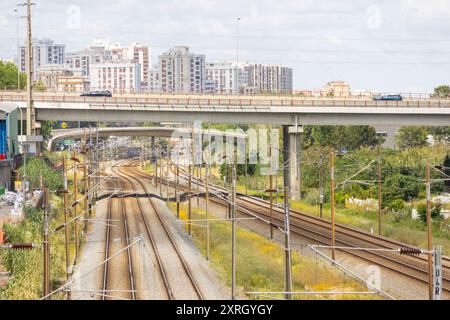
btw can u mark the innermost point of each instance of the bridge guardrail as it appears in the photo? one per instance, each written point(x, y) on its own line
point(232, 101)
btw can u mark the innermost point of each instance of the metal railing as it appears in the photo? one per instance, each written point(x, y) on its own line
point(220, 100)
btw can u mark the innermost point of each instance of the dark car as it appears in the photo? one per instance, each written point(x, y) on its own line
point(99, 93)
point(389, 97)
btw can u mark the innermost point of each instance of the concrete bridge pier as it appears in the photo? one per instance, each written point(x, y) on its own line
point(292, 160)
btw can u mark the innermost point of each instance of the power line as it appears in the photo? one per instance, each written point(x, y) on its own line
point(249, 36)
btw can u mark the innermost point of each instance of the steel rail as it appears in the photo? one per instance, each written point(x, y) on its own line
point(314, 235)
point(185, 265)
point(160, 265)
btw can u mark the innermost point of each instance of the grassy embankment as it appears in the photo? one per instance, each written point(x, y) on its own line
point(26, 266)
point(260, 262)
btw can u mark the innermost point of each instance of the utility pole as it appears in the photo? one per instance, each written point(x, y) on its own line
point(66, 225)
point(75, 201)
point(177, 194)
point(46, 242)
point(430, 240)
point(156, 171)
point(287, 245)
point(207, 211)
point(271, 191)
point(189, 200)
point(85, 193)
point(333, 254)
point(271, 205)
point(167, 174)
point(233, 233)
point(29, 64)
point(379, 190)
point(198, 184)
point(18, 55)
point(321, 196)
point(238, 19)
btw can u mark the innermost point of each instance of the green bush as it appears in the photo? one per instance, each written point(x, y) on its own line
point(35, 167)
point(396, 205)
point(435, 212)
point(340, 198)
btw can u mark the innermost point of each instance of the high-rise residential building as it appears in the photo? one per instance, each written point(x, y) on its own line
point(116, 77)
point(101, 51)
point(45, 52)
point(269, 78)
point(141, 54)
point(225, 76)
point(79, 62)
point(182, 71)
point(154, 84)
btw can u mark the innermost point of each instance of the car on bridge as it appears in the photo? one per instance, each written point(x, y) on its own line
point(97, 93)
point(388, 97)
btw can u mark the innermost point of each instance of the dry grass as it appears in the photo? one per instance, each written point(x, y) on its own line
point(260, 262)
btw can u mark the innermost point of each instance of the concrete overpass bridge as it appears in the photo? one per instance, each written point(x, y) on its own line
point(275, 110)
point(291, 112)
point(163, 132)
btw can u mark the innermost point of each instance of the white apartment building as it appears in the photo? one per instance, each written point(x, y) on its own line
point(45, 52)
point(116, 77)
point(79, 62)
point(102, 51)
point(182, 71)
point(154, 84)
point(269, 78)
point(225, 76)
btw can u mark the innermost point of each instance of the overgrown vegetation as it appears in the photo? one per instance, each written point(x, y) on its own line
point(26, 266)
point(260, 262)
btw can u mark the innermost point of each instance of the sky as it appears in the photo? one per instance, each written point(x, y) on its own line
point(397, 46)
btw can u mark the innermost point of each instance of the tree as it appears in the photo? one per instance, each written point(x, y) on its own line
point(8, 76)
point(400, 186)
point(440, 134)
point(411, 137)
point(442, 92)
point(435, 212)
point(349, 137)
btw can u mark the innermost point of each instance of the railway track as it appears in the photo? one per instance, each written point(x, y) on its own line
point(118, 276)
point(318, 231)
point(168, 280)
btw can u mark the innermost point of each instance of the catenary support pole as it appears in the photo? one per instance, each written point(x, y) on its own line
point(429, 235)
point(321, 195)
point(287, 245)
point(233, 233)
point(333, 253)
point(207, 212)
point(46, 243)
point(66, 225)
point(380, 192)
point(75, 207)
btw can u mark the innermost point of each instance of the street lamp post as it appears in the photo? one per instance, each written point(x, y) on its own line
point(18, 52)
point(238, 19)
